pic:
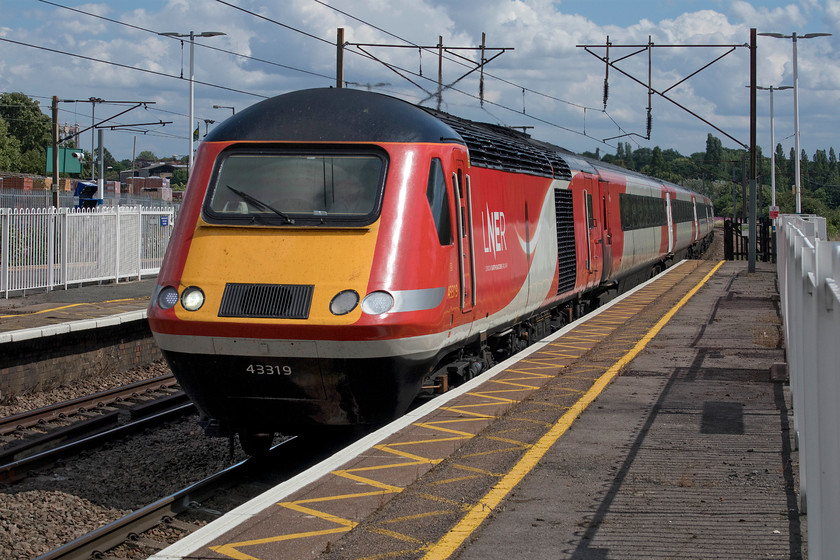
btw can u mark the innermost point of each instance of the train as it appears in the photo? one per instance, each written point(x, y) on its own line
point(338, 250)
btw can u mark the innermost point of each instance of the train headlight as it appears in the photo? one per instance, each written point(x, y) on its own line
point(344, 302)
point(167, 298)
point(377, 303)
point(192, 299)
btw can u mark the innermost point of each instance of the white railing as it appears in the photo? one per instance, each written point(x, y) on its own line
point(809, 285)
point(44, 248)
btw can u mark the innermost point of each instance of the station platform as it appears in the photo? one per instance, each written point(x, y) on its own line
point(656, 427)
point(52, 338)
point(43, 312)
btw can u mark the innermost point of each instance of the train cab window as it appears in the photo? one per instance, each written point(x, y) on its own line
point(439, 202)
point(265, 187)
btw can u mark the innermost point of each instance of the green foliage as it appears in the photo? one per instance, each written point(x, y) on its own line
point(721, 173)
point(9, 148)
point(179, 178)
point(30, 127)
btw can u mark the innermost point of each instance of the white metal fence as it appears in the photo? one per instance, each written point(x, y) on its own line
point(43, 248)
point(809, 285)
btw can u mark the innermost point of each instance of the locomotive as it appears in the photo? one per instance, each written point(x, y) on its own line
point(337, 248)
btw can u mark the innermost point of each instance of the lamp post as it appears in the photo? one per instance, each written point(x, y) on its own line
point(771, 89)
point(192, 35)
point(793, 36)
point(232, 109)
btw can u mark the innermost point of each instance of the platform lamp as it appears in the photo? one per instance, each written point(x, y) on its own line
point(192, 35)
point(771, 89)
point(793, 36)
point(232, 109)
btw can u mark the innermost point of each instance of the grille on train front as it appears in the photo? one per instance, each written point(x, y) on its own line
point(566, 260)
point(271, 301)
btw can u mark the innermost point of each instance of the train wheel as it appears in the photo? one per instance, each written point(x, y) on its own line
point(255, 444)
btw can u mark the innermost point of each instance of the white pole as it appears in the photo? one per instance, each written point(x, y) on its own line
point(797, 182)
point(772, 155)
point(192, 102)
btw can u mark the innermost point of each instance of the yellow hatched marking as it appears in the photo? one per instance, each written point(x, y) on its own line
point(515, 442)
point(416, 516)
point(516, 446)
point(395, 535)
point(345, 525)
point(563, 343)
point(510, 383)
point(230, 550)
point(545, 404)
point(477, 470)
point(336, 498)
point(433, 498)
point(530, 420)
point(495, 396)
point(558, 348)
point(451, 480)
point(453, 539)
point(543, 364)
point(396, 553)
point(587, 335)
point(461, 410)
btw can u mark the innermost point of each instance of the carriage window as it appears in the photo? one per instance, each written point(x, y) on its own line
point(279, 188)
point(639, 211)
point(439, 202)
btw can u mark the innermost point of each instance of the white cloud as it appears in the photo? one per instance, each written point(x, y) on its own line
point(545, 59)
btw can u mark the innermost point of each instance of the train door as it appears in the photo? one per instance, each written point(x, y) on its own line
point(606, 231)
point(466, 262)
point(669, 214)
point(594, 246)
point(696, 221)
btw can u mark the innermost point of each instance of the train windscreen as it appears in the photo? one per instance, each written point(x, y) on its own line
point(287, 188)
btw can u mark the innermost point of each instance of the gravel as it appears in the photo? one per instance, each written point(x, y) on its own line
point(57, 505)
point(81, 388)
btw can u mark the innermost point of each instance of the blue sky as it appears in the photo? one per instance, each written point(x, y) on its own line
point(545, 82)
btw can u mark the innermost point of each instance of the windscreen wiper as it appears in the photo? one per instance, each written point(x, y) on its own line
point(260, 204)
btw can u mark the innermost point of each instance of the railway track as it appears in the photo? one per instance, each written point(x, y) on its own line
point(82, 405)
point(249, 477)
point(38, 450)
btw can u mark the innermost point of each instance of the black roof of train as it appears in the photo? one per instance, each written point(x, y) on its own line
point(332, 115)
point(349, 115)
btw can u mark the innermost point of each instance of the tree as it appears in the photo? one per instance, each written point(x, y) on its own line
point(30, 126)
point(147, 155)
point(656, 167)
point(9, 149)
point(714, 154)
point(179, 179)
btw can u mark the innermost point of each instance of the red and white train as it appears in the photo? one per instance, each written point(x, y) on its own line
point(337, 247)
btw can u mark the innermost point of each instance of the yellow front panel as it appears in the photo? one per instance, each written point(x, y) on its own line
point(330, 259)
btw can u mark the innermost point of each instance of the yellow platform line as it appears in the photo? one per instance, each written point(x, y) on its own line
point(452, 540)
point(69, 306)
point(493, 398)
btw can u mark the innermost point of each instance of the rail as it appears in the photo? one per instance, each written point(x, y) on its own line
point(45, 248)
point(809, 285)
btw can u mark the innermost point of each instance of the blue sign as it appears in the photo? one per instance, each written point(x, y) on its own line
point(164, 221)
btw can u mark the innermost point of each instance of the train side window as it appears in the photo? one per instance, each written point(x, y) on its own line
point(439, 202)
point(589, 210)
point(639, 212)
